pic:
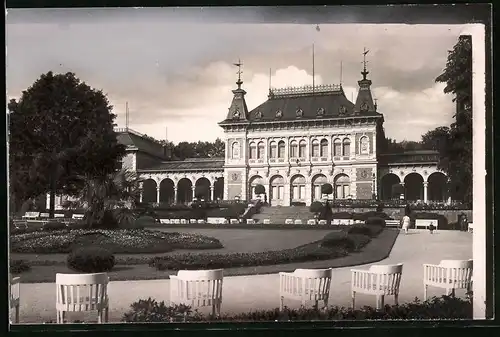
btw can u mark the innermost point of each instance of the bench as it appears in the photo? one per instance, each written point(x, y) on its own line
point(289, 222)
point(297, 222)
point(183, 221)
point(392, 223)
point(267, 221)
point(234, 221)
point(201, 221)
point(77, 216)
point(313, 222)
point(31, 215)
point(425, 223)
point(193, 221)
point(165, 221)
point(470, 227)
point(250, 222)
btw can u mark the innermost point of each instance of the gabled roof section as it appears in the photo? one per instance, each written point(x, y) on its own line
point(304, 103)
point(134, 139)
point(191, 164)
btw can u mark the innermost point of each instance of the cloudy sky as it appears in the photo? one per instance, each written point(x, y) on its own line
point(174, 67)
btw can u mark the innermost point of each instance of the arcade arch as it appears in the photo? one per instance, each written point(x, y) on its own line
point(149, 193)
point(298, 188)
point(317, 181)
point(277, 190)
point(387, 184)
point(167, 191)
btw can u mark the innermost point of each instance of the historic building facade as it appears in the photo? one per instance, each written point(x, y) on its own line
point(292, 144)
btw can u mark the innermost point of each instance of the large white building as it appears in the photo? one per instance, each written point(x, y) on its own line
point(296, 141)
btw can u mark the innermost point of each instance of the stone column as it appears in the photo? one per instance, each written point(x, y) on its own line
point(158, 194)
point(193, 188)
point(425, 191)
point(212, 191)
point(141, 191)
point(175, 195)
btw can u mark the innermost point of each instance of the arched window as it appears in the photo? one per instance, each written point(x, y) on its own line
point(342, 187)
point(235, 150)
point(324, 148)
point(253, 151)
point(364, 145)
point(281, 149)
point(315, 148)
point(260, 150)
point(346, 147)
point(294, 149)
point(337, 148)
point(302, 149)
point(273, 153)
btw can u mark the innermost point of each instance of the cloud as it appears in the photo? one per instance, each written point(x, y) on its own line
point(174, 67)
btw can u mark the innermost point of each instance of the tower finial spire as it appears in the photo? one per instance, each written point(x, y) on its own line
point(365, 72)
point(239, 82)
point(313, 68)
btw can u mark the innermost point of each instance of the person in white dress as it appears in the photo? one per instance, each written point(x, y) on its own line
point(406, 223)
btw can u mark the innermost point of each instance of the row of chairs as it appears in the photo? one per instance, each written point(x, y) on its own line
point(335, 222)
point(203, 288)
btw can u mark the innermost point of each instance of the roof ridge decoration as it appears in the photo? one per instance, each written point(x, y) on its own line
point(304, 90)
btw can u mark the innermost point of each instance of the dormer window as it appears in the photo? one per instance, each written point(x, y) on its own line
point(236, 114)
point(342, 110)
point(364, 106)
point(321, 111)
point(279, 114)
point(258, 115)
point(299, 113)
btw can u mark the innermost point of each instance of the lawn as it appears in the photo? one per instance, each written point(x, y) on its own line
point(233, 240)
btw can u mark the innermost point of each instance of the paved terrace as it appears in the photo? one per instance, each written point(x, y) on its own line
point(246, 293)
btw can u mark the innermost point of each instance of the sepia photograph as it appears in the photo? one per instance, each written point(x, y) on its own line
point(167, 165)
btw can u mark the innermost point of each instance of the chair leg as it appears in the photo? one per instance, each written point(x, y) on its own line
point(106, 315)
point(380, 302)
point(99, 316)
point(396, 299)
point(353, 295)
point(452, 292)
point(218, 308)
point(282, 299)
point(213, 310)
point(326, 303)
point(425, 292)
point(16, 319)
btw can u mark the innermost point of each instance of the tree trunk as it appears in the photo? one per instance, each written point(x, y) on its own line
point(52, 204)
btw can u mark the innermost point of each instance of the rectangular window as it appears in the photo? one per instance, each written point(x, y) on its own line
point(293, 152)
point(274, 152)
point(260, 154)
point(336, 150)
point(315, 150)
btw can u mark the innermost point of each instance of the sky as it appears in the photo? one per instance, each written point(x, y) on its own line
point(175, 68)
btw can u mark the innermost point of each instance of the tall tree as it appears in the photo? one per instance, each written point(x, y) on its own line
point(60, 129)
point(456, 159)
point(436, 139)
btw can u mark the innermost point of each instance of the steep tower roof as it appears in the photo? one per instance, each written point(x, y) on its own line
point(364, 101)
point(238, 111)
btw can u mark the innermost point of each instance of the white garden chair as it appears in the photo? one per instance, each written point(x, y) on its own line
point(297, 222)
point(335, 222)
point(306, 285)
point(15, 295)
point(82, 292)
point(470, 227)
point(266, 222)
point(449, 275)
point(198, 288)
point(288, 221)
point(379, 280)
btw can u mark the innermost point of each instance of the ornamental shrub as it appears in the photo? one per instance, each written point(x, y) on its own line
point(19, 266)
point(337, 239)
point(152, 311)
point(375, 221)
point(54, 226)
point(91, 259)
point(316, 207)
point(360, 229)
point(326, 188)
point(259, 189)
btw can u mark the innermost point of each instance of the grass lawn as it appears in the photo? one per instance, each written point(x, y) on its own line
point(378, 249)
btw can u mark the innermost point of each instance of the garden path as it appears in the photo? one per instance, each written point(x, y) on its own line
point(246, 293)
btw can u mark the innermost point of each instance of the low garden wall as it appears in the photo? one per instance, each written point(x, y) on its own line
point(397, 213)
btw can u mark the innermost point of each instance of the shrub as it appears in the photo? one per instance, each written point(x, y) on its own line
point(19, 266)
point(375, 221)
point(380, 207)
point(152, 311)
point(337, 239)
point(360, 229)
point(327, 188)
point(445, 307)
point(260, 189)
point(316, 207)
point(342, 215)
point(298, 203)
point(54, 226)
point(91, 259)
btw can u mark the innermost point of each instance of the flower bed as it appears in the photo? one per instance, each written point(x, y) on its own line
point(314, 251)
point(123, 241)
point(445, 307)
point(415, 205)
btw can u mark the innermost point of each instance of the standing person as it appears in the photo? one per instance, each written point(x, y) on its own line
point(464, 223)
point(405, 222)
